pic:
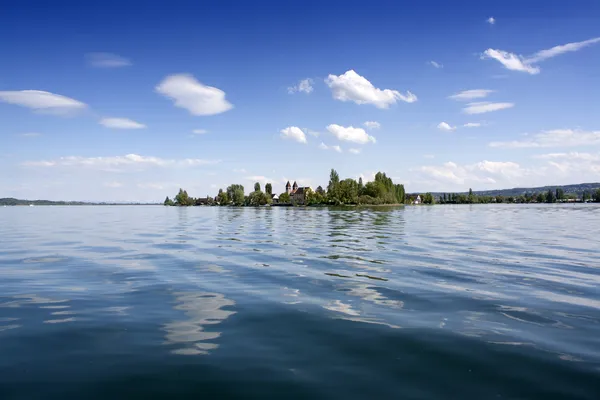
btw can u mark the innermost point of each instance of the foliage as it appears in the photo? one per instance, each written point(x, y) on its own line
point(231, 189)
point(284, 198)
point(257, 187)
point(168, 202)
point(223, 198)
point(182, 198)
point(258, 198)
point(597, 196)
point(269, 189)
point(428, 199)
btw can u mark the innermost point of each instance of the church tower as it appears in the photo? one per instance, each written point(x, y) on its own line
point(295, 187)
point(288, 187)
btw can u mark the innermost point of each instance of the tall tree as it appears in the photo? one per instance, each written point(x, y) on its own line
point(333, 188)
point(231, 190)
point(560, 194)
point(269, 189)
point(257, 187)
point(471, 197)
point(550, 196)
point(597, 196)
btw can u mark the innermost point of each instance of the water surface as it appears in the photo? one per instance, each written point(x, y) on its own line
point(485, 301)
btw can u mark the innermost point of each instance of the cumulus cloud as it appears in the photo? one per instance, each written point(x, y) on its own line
point(354, 151)
point(472, 125)
point(372, 125)
point(468, 95)
point(199, 131)
point(481, 173)
point(516, 62)
point(305, 86)
point(444, 126)
point(115, 163)
point(107, 60)
point(484, 107)
point(350, 86)
point(293, 133)
point(121, 123)
point(554, 138)
point(193, 96)
point(436, 64)
point(41, 101)
point(491, 20)
point(350, 134)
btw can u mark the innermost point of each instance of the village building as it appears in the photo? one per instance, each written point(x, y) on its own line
point(297, 194)
point(418, 200)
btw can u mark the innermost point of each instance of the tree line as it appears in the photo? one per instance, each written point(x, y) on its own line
point(551, 196)
point(382, 190)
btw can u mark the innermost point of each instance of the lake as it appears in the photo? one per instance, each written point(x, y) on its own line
point(465, 302)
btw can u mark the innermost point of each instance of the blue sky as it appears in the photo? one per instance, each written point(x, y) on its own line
point(129, 100)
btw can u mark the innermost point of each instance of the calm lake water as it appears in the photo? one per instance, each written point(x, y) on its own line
point(464, 302)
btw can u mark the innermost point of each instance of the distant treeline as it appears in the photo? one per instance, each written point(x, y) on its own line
point(550, 196)
point(348, 191)
point(578, 190)
point(9, 201)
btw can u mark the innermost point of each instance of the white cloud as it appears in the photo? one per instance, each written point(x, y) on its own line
point(323, 146)
point(30, 134)
point(305, 86)
point(472, 94)
point(199, 131)
point(192, 95)
point(114, 163)
point(337, 148)
point(436, 64)
point(42, 101)
point(472, 125)
point(107, 60)
point(151, 185)
point(484, 107)
point(516, 62)
point(113, 185)
point(263, 180)
point(293, 133)
point(444, 126)
point(561, 49)
point(478, 174)
point(511, 61)
point(240, 171)
point(350, 134)
point(121, 123)
point(311, 132)
point(554, 138)
point(372, 125)
point(352, 87)
point(491, 20)
point(354, 151)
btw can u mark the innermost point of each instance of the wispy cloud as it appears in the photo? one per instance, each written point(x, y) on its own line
point(304, 86)
point(193, 96)
point(350, 86)
point(41, 101)
point(336, 148)
point(484, 107)
point(199, 131)
point(472, 94)
point(444, 126)
point(350, 134)
point(354, 151)
point(372, 125)
point(113, 185)
point(436, 64)
point(121, 123)
point(472, 125)
point(491, 20)
point(106, 60)
point(516, 62)
point(554, 138)
point(114, 163)
point(293, 133)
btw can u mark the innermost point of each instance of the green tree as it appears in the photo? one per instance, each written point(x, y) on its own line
point(585, 196)
point(321, 191)
point(361, 186)
point(471, 198)
point(238, 197)
point(182, 198)
point(269, 189)
point(284, 198)
point(560, 194)
point(231, 191)
point(348, 191)
point(550, 196)
point(257, 187)
point(223, 198)
point(428, 198)
point(541, 198)
point(597, 196)
point(333, 188)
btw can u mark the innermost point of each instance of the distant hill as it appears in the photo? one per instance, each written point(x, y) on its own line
point(9, 201)
point(577, 189)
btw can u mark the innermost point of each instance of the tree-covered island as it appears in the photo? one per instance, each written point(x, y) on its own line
point(381, 191)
